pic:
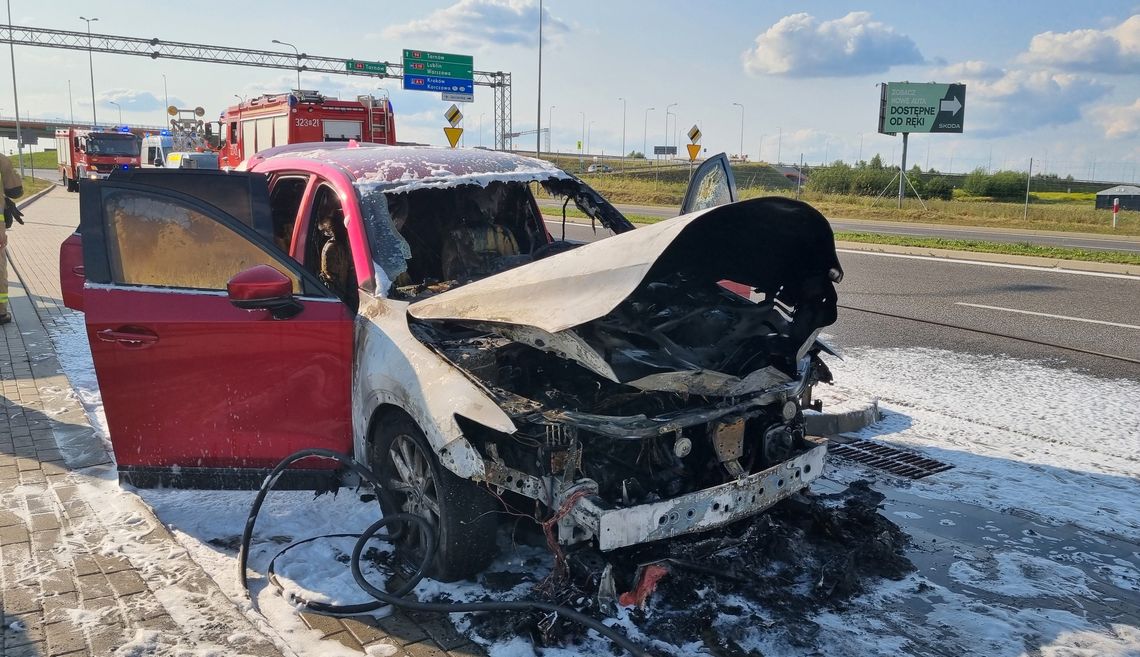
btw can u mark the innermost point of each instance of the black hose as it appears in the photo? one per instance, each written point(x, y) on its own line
point(396, 597)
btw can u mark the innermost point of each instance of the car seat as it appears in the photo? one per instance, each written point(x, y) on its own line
point(475, 249)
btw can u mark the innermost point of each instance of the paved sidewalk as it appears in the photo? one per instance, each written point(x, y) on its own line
point(87, 567)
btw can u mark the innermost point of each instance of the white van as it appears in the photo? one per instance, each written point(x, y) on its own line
point(159, 151)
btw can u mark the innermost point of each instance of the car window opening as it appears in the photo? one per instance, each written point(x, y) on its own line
point(284, 203)
point(465, 233)
point(327, 251)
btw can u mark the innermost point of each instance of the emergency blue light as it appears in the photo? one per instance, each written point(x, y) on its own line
point(165, 133)
point(126, 166)
point(124, 129)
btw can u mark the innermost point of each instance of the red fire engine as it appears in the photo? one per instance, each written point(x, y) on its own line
point(302, 116)
point(94, 153)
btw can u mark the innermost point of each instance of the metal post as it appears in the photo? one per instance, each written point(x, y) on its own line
point(645, 126)
point(1028, 179)
point(582, 140)
point(589, 133)
point(741, 130)
point(760, 153)
point(902, 171)
point(70, 103)
point(91, 69)
point(15, 94)
point(622, 133)
point(860, 159)
point(118, 107)
point(165, 96)
point(779, 144)
point(800, 175)
point(550, 128)
point(667, 113)
point(538, 120)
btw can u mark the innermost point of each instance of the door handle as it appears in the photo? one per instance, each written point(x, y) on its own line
point(132, 338)
point(79, 270)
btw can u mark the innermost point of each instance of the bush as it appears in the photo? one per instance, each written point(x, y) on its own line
point(937, 187)
point(870, 181)
point(835, 179)
point(999, 185)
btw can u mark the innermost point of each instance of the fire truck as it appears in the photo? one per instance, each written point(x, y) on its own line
point(94, 153)
point(302, 116)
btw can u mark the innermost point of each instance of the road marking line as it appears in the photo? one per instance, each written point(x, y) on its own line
point(1036, 314)
point(982, 263)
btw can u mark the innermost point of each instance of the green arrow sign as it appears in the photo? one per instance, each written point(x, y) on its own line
point(921, 107)
point(365, 67)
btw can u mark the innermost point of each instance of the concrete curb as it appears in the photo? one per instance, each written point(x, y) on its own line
point(977, 256)
point(842, 417)
point(35, 197)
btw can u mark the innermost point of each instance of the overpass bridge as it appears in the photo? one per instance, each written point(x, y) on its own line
point(36, 129)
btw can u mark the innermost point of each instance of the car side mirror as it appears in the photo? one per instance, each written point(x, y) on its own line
point(158, 161)
point(264, 288)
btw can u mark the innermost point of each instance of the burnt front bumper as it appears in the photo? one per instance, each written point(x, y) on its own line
point(700, 510)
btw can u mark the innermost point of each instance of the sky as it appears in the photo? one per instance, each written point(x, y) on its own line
point(1058, 82)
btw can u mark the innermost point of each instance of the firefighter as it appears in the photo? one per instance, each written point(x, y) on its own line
point(13, 188)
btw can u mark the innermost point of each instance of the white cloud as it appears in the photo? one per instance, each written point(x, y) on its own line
point(470, 25)
point(1113, 50)
point(1118, 121)
point(1021, 101)
point(969, 70)
point(132, 100)
point(800, 45)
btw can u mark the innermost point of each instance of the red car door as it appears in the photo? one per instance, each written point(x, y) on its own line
point(206, 382)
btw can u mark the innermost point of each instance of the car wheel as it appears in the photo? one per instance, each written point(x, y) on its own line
point(415, 482)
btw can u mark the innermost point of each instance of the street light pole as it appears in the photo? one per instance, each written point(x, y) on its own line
point(165, 95)
point(15, 94)
point(550, 129)
point(481, 129)
point(120, 108)
point(622, 133)
point(644, 127)
point(582, 140)
point(91, 69)
point(779, 144)
point(667, 113)
point(589, 131)
point(538, 132)
point(298, 53)
point(741, 130)
point(70, 103)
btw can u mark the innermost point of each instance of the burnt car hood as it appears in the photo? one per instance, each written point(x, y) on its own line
point(655, 308)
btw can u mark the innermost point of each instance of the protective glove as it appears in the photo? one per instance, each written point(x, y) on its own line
point(11, 212)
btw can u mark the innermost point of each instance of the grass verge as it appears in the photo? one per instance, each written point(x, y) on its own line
point(1014, 248)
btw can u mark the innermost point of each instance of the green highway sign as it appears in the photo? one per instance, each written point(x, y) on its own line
point(440, 64)
point(921, 107)
point(366, 67)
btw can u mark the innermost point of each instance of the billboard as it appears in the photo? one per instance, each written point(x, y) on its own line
point(921, 107)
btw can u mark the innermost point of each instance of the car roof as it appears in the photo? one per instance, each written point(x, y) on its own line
point(404, 168)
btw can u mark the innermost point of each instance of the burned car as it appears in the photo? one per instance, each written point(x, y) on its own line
point(410, 305)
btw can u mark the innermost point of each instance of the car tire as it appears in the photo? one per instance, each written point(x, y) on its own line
point(415, 481)
point(71, 185)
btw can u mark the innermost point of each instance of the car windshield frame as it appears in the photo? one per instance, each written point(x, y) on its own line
point(108, 145)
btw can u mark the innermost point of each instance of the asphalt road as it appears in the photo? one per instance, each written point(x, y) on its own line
point(1062, 318)
point(1042, 238)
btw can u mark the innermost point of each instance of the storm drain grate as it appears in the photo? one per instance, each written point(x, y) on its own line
point(884, 457)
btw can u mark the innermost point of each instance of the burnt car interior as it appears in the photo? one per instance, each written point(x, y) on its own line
point(460, 234)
